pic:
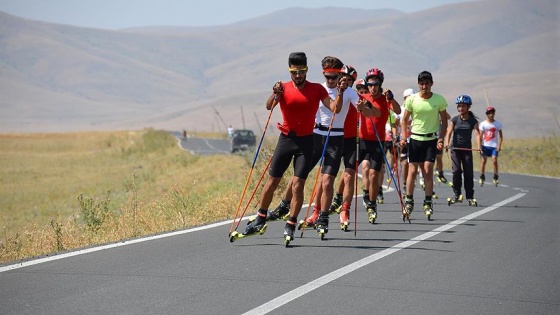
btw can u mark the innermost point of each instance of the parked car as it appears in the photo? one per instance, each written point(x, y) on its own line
point(243, 139)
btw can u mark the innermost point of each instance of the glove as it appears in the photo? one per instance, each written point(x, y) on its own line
point(389, 95)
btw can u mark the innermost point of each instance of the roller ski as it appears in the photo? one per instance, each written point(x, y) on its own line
point(336, 205)
point(454, 200)
point(481, 179)
point(495, 180)
point(310, 222)
point(428, 208)
point(256, 225)
point(441, 178)
point(289, 233)
point(372, 213)
point(408, 208)
point(280, 213)
point(472, 202)
point(322, 225)
point(344, 219)
point(380, 199)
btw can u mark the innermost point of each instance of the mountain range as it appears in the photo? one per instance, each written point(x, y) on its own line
point(60, 78)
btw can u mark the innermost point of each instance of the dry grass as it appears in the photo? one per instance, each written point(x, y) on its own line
point(66, 191)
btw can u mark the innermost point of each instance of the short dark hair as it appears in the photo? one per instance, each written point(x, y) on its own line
point(332, 63)
point(425, 76)
point(297, 59)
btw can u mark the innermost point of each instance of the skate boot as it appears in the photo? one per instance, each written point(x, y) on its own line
point(428, 208)
point(380, 198)
point(441, 178)
point(322, 224)
point(336, 204)
point(372, 212)
point(365, 198)
point(495, 180)
point(472, 202)
point(344, 218)
point(408, 208)
point(289, 229)
point(310, 222)
point(455, 199)
point(422, 182)
point(280, 213)
point(481, 179)
point(256, 225)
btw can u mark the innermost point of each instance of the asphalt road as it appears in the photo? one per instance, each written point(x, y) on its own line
point(498, 258)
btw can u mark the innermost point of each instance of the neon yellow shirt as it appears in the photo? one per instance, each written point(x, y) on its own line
point(425, 115)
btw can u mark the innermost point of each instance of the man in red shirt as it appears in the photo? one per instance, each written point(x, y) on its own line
point(371, 145)
point(299, 101)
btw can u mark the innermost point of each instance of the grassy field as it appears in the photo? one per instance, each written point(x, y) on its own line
point(65, 191)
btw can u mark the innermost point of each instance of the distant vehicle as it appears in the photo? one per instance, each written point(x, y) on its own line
point(243, 139)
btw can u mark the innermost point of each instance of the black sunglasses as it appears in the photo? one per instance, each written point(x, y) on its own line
point(331, 77)
point(373, 83)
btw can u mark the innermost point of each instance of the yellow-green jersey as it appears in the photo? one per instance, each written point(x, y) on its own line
point(424, 114)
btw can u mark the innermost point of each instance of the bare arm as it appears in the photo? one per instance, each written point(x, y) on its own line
point(501, 140)
point(443, 115)
point(478, 137)
point(404, 127)
point(274, 98)
point(448, 133)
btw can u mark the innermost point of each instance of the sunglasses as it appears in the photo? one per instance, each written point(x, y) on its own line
point(331, 77)
point(297, 71)
point(373, 83)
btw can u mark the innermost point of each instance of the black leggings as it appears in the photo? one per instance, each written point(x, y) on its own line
point(300, 149)
point(462, 164)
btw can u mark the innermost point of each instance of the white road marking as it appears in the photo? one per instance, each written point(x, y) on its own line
point(315, 284)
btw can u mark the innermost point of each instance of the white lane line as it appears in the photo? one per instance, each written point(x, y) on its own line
point(315, 284)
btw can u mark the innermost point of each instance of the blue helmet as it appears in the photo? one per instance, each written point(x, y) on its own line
point(463, 99)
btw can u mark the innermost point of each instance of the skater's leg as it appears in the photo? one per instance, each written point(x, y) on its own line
point(348, 181)
point(298, 185)
point(468, 174)
point(428, 172)
point(268, 191)
point(411, 179)
point(457, 171)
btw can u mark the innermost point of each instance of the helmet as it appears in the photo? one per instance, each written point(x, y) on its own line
point(374, 72)
point(349, 70)
point(463, 99)
point(360, 82)
point(490, 109)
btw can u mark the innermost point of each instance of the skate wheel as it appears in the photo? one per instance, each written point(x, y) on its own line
point(435, 196)
point(233, 236)
point(322, 236)
point(263, 229)
point(301, 224)
point(429, 217)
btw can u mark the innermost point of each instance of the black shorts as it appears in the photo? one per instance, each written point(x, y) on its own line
point(422, 151)
point(333, 153)
point(372, 151)
point(300, 149)
point(389, 147)
point(349, 153)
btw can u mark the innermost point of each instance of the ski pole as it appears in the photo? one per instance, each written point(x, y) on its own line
point(390, 171)
point(254, 191)
point(317, 176)
point(356, 171)
point(250, 172)
point(464, 149)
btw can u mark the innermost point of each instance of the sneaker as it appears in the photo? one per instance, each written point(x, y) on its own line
point(322, 222)
point(279, 213)
point(441, 178)
point(312, 220)
point(256, 225)
point(409, 205)
point(336, 204)
point(344, 216)
point(289, 229)
point(428, 207)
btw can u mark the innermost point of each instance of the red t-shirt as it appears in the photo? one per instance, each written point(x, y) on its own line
point(350, 129)
point(300, 106)
point(366, 128)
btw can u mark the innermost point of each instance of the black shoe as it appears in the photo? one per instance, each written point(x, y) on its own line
point(279, 213)
point(255, 226)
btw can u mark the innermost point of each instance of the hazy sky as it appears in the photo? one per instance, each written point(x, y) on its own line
point(115, 14)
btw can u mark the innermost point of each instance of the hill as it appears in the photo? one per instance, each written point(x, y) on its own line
point(64, 78)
